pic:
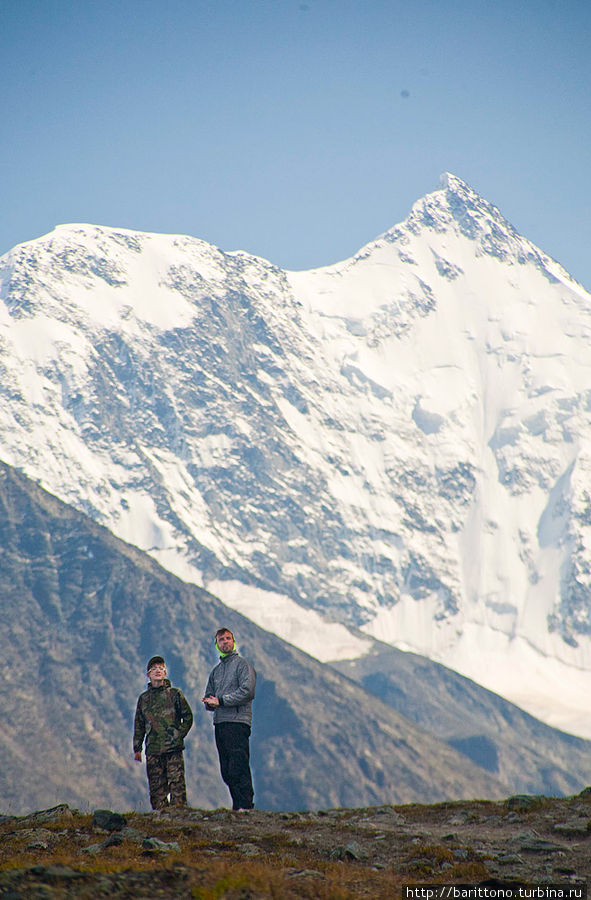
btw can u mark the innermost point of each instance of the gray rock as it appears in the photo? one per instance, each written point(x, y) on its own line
point(154, 845)
point(110, 821)
point(132, 834)
point(575, 827)
point(220, 814)
point(49, 815)
point(114, 840)
point(36, 836)
point(396, 818)
point(92, 849)
point(532, 842)
point(38, 845)
point(422, 835)
point(457, 820)
point(421, 862)
point(355, 851)
point(349, 851)
point(249, 849)
point(304, 873)
point(509, 859)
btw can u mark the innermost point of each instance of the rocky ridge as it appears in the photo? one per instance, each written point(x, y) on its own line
point(333, 854)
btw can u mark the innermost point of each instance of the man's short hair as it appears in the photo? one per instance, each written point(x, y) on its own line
point(223, 631)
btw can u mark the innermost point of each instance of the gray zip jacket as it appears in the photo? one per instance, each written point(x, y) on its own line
point(233, 682)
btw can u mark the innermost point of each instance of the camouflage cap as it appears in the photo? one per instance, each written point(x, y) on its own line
point(154, 661)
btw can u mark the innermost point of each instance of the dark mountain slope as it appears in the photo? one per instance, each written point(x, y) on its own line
point(82, 611)
point(518, 749)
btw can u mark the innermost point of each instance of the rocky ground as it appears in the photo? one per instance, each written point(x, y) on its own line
point(332, 854)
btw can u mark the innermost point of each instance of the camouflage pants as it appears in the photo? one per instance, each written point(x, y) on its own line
point(166, 775)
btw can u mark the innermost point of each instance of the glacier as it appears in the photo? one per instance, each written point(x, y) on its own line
point(395, 446)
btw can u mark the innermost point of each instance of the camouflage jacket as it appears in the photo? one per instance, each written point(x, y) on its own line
point(163, 717)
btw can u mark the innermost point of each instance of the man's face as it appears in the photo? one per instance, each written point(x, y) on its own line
point(225, 642)
point(157, 674)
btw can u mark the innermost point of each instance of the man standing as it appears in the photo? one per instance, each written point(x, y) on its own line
point(229, 693)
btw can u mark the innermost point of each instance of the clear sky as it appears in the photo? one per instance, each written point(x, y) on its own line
point(297, 130)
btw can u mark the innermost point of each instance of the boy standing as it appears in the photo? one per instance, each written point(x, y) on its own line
point(164, 718)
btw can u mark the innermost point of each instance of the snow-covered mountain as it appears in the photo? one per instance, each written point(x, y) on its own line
point(399, 443)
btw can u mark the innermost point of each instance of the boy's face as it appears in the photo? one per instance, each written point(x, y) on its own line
point(157, 674)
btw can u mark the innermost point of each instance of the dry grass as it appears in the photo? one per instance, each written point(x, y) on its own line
point(222, 856)
point(215, 872)
point(416, 812)
point(214, 868)
point(437, 852)
point(470, 870)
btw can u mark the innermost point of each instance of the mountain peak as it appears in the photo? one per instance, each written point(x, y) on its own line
point(454, 203)
point(456, 207)
point(452, 182)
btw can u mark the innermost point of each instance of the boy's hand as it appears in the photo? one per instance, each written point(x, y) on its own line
point(138, 756)
point(211, 702)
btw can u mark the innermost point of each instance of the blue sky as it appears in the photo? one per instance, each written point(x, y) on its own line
point(299, 130)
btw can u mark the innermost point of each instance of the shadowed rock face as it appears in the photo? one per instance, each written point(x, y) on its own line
point(82, 612)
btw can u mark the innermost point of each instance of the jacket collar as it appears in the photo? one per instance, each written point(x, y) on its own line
point(165, 684)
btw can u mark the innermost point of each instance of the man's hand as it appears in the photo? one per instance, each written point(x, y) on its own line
point(211, 702)
point(138, 756)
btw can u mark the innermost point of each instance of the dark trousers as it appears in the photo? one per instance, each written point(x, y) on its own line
point(166, 775)
point(231, 739)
